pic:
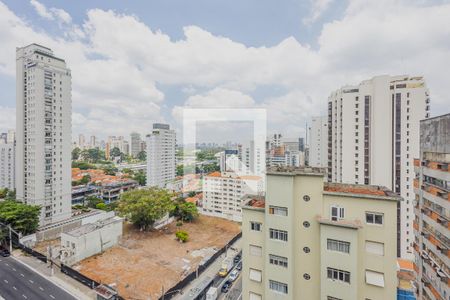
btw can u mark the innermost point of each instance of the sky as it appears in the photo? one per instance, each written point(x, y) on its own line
point(134, 63)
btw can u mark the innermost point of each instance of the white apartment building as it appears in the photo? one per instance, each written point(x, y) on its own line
point(7, 165)
point(81, 141)
point(373, 136)
point(161, 163)
point(253, 159)
point(318, 149)
point(135, 143)
point(43, 137)
point(229, 161)
point(93, 141)
point(223, 192)
point(313, 240)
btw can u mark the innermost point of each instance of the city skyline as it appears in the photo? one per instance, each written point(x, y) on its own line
point(325, 51)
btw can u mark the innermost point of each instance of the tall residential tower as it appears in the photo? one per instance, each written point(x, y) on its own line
point(43, 124)
point(373, 136)
point(161, 163)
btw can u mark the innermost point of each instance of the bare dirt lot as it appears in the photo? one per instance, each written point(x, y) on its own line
point(144, 262)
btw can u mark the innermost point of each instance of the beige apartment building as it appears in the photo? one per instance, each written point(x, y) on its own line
point(432, 210)
point(308, 239)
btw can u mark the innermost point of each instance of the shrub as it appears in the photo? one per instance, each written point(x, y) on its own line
point(182, 236)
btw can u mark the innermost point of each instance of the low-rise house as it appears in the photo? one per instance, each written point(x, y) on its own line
point(90, 239)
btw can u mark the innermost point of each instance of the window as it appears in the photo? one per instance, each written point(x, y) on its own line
point(306, 249)
point(339, 275)
point(375, 278)
point(307, 276)
point(255, 250)
point(339, 246)
point(374, 218)
point(278, 286)
point(306, 224)
point(255, 275)
point(278, 260)
point(255, 226)
point(276, 234)
point(254, 296)
point(306, 198)
point(375, 248)
point(276, 210)
point(337, 213)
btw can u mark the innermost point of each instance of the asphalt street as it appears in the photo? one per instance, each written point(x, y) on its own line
point(19, 282)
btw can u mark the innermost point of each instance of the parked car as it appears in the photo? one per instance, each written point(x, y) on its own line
point(226, 286)
point(239, 266)
point(5, 252)
point(234, 275)
point(237, 258)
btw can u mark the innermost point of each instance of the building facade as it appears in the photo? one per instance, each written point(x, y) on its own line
point(7, 165)
point(373, 136)
point(318, 150)
point(313, 240)
point(135, 144)
point(43, 137)
point(432, 210)
point(223, 192)
point(161, 163)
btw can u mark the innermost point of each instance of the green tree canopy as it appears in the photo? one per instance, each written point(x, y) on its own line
point(144, 207)
point(22, 217)
point(187, 211)
point(115, 152)
point(93, 155)
point(76, 153)
point(140, 177)
point(142, 156)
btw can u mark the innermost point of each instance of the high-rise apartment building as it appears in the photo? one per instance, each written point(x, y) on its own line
point(432, 210)
point(135, 144)
point(313, 240)
point(252, 157)
point(161, 163)
point(318, 141)
point(223, 192)
point(93, 141)
point(43, 137)
point(373, 136)
point(7, 165)
point(81, 141)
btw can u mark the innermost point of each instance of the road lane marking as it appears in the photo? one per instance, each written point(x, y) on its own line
point(24, 296)
point(14, 288)
point(6, 281)
point(41, 288)
point(31, 281)
point(22, 275)
point(51, 296)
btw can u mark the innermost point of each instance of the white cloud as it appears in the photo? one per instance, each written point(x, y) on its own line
point(118, 63)
point(318, 7)
point(52, 13)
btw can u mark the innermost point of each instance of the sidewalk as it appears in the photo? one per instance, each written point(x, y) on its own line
point(211, 271)
point(61, 280)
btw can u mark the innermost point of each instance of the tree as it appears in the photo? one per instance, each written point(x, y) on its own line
point(144, 207)
point(22, 217)
point(140, 177)
point(101, 206)
point(11, 195)
point(115, 152)
point(82, 165)
point(110, 170)
point(182, 236)
point(93, 201)
point(76, 153)
point(3, 193)
point(92, 155)
point(187, 211)
point(142, 156)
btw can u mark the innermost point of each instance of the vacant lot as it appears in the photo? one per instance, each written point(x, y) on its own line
point(145, 262)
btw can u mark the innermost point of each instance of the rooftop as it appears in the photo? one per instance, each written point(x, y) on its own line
point(360, 189)
point(91, 227)
point(283, 170)
point(254, 201)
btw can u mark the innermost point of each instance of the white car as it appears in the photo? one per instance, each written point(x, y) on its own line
point(234, 275)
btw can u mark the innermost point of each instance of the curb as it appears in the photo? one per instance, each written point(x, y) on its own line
point(48, 278)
